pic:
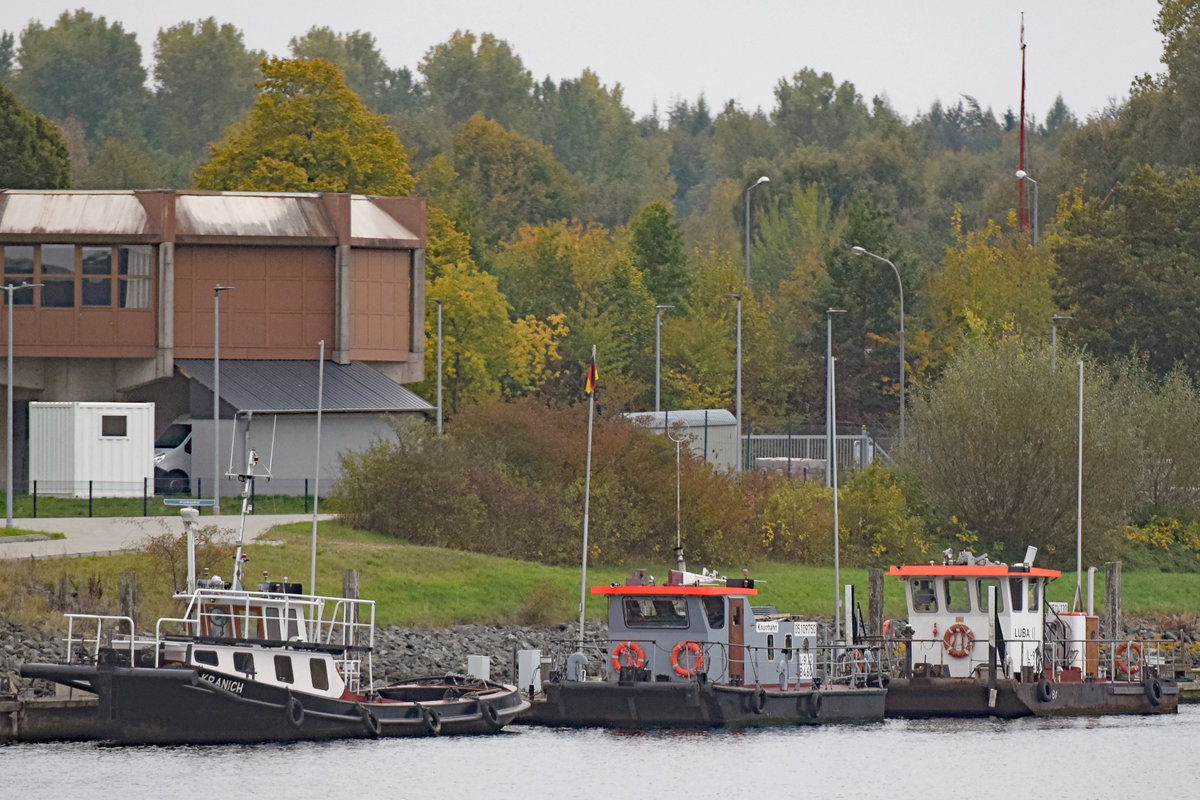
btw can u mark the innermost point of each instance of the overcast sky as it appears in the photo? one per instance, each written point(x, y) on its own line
point(661, 51)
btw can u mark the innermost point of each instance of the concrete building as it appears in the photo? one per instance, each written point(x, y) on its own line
point(127, 293)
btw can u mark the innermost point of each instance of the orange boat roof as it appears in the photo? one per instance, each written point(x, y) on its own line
point(674, 590)
point(969, 571)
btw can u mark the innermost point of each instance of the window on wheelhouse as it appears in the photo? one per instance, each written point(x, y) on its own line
point(1017, 593)
point(714, 609)
point(273, 629)
point(283, 669)
point(982, 588)
point(293, 623)
point(923, 597)
point(770, 647)
point(656, 612)
point(958, 599)
point(319, 673)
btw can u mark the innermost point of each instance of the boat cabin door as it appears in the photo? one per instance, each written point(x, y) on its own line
point(737, 638)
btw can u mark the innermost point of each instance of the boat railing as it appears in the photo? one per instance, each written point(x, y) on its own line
point(330, 621)
point(88, 633)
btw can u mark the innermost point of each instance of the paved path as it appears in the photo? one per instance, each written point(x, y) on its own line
point(101, 535)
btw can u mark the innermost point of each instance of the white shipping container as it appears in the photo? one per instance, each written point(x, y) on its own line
point(107, 447)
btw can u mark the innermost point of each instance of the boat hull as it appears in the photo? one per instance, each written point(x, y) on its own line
point(186, 706)
point(926, 697)
point(697, 705)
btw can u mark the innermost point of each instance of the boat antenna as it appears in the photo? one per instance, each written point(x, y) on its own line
point(677, 433)
point(312, 575)
point(239, 558)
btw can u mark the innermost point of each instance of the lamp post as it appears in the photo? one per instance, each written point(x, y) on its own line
point(1054, 337)
point(757, 183)
point(438, 300)
point(217, 396)
point(8, 488)
point(1024, 176)
point(738, 461)
point(899, 283)
point(658, 351)
point(830, 434)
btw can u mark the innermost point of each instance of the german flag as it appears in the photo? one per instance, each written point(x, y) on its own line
point(592, 376)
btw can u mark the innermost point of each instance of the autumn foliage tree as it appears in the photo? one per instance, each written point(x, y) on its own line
point(308, 132)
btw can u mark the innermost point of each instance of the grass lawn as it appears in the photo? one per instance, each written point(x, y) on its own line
point(428, 587)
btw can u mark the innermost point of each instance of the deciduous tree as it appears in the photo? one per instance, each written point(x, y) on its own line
point(308, 132)
point(33, 153)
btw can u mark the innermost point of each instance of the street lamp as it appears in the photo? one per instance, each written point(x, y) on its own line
point(1054, 337)
point(1024, 176)
point(830, 440)
point(658, 351)
point(759, 182)
point(8, 488)
point(863, 252)
point(438, 300)
point(738, 461)
point(217, 396)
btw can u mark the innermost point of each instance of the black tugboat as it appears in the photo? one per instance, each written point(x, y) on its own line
point(1015, 654)
point(695, 653)
point(240, 665)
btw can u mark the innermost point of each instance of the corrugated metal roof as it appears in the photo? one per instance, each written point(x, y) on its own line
point(291, 386)
point(112, 213)
point(369, 221)
point(250, 214)
point(692, 417)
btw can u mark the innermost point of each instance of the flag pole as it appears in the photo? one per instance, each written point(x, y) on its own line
point(587, 490)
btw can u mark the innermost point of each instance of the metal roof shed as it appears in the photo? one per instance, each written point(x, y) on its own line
point(712, 432)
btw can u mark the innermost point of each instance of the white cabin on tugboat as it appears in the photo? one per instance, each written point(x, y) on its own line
point(982, 640)
point(952, 621)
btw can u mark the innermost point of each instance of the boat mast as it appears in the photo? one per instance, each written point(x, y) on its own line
point(1079, 503)
point(239, 558)
point(312, 574)
point(590, 386)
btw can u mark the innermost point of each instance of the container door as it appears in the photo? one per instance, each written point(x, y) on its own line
point(737, 638)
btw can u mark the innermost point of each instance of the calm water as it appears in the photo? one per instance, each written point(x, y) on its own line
point(1117, 757)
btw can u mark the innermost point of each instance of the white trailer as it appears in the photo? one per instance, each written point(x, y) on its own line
point(106, 449)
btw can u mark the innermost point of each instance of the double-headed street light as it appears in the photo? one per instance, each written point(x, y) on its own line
point(1024, 176)
point(8, 488)
point(658, 351)
point(757, 183)
point(863, 252)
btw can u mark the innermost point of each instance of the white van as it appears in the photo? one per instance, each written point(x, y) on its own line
point(173, 458)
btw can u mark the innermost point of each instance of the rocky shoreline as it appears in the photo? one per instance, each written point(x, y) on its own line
point(409, 652)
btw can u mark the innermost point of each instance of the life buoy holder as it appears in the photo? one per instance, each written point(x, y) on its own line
point(628, 654)
point(1135, 656)
point(697, 658)
point(958, 640)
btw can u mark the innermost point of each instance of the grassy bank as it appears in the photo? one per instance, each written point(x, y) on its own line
point(422, 586)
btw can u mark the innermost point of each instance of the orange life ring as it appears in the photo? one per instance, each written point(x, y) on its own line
point(1135, 649)
point(697, 658)
point(959, 640)
point(854, 660)
point(629, 652)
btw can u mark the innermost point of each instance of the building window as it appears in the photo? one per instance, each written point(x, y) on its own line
point(97, 266)
point(18, 269)
point(114, 425)
point(58, 276)
point(134, 263)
